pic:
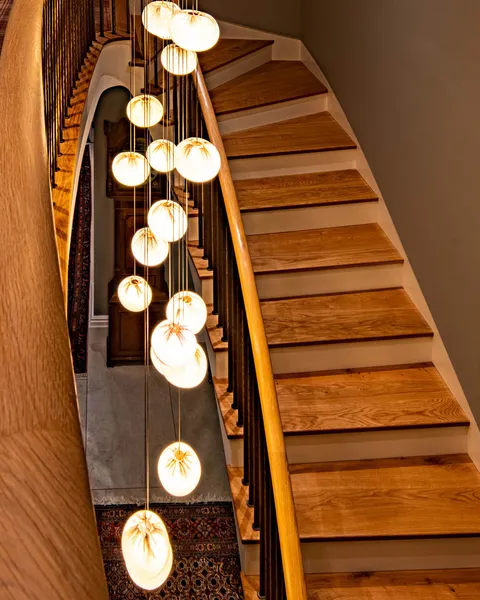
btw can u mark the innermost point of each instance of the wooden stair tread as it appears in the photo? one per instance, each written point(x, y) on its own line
point(343, 317)
point(215, 333)
point(394, 498)
point(227, 51)
point(309, 133)
point(405, 397)
point(306, 189)
point(201, 264)
point(447, 584)
point(334, 247)
point(270, 83)
point(421, 497)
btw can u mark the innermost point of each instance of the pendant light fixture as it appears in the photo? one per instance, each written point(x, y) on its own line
point(134, 293)
point(173, 344)
point(191, 374)
point(167, 220)
point(197, 160)
point(178, 61)
point(130, 168)
point(161, 155)
point(189, 309)
point(157, 16)
point(179, 469)
point(148, 249)
point(194, 30)
point(147, 550)
point(144, 110)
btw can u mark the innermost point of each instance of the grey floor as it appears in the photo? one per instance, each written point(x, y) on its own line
point(113, 416)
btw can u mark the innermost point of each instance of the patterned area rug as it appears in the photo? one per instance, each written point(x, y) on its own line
point(79, 268)
point(5, 6)
point(206, 562)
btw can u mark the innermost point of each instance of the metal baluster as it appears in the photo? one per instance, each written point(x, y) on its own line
point(257, 464)
point(114, 18)
point(102, 19)
point(229, 322)
point(127, 12)
point(262, 510)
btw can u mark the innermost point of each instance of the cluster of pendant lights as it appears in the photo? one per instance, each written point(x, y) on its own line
point(174, 350)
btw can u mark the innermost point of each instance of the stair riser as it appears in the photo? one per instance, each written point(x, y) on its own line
point(314, 217)
point(383, 555)
point(286, 285)
point(363, 445)
point(239, 67)
point(265, 115)
point(291, 164)
point(350, 355)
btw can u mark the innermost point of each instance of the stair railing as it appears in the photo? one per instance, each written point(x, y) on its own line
point(49, 543)
point(250, 375)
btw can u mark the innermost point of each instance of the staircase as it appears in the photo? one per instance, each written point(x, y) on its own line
point(387, 499)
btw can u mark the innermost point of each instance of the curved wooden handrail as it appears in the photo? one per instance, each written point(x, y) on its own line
point(282, 488)
point(49, 546)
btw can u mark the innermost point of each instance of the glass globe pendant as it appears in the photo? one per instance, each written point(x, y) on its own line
point(187, 308)
point(161, 155)
point(130, 168)
point(197, 160)
point(134, 293)
point(189, 375)
point(167, 220)
point(194, 30)
point(156, 18)
point(178, 61)
point(179, 469)
point(148, 249)
point(173, 344)
point(144, 110)
point(156, 362)
point(147, 550)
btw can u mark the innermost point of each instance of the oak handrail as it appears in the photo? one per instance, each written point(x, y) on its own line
point(49, 546)
point(282, 489)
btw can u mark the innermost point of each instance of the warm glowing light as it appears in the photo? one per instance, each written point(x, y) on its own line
point(130, 168)
point(197, 160)
point(173, 344)
point(194, 30)
point(179, 469)
point(178, 61)
point(161, 155)
point(148, 249)
point(189, 375)
point(147, 550)
point(144, 110)
point(167, 220)
point(134, 293)
point(187, 308)
point(156, 18)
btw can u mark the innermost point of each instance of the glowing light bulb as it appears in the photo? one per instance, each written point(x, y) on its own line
point(194, 30)
point(157, 16)
point(134, 293)
point(189, 375)
point(161, 155)
point(130, 168)
point(179, 469)
point(189, 309)
point(144, 110)
point(173, 344)
point(148, 249)
point(197, 160)
point(178, 61)
point(147, 550)
point(167, 220)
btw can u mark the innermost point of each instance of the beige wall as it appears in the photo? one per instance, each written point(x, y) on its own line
point(407, 74)
point(276, 16)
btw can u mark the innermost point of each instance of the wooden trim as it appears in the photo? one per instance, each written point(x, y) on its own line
point(49, 543)
point(282, 488)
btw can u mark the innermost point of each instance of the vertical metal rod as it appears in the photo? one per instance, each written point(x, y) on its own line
point(102, 18)
point(114, 18)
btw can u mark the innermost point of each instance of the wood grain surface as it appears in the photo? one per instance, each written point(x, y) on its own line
point(306, 189)
point(334, 247)
point(345, 317)
point(311, 133)
point(49, 547)
point(272, 82)
point(227, 51)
